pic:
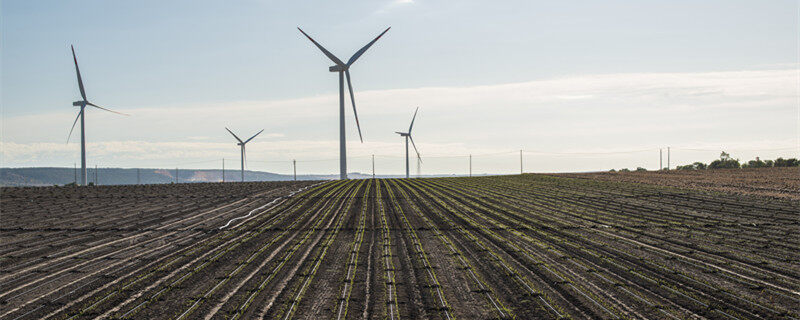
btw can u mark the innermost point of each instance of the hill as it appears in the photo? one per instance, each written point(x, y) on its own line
point(48, 176)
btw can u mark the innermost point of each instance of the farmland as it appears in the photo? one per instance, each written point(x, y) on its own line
point(525, 247)
point(767, 182)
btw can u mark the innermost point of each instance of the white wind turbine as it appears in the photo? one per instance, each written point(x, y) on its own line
point(344, 71)
point(241, 144)
point(407, 135)
point(83, 103)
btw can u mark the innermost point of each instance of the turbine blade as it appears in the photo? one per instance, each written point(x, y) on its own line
point(251, 138)
point(244, 155)
point(234, 135)
point(412, 120)
point(73, 124)
point(78, 71)
point(415, 148)
point(353, 100)
point(326, 52)
point(99, 107)
point(364, 49)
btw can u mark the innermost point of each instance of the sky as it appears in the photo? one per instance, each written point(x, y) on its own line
point(576, 85)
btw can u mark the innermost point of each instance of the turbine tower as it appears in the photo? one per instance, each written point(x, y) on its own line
point(241, 145)
point(344, 71)
point(83, 103)
point(407, 135)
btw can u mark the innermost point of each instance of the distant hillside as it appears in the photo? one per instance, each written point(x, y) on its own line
point(116, 176)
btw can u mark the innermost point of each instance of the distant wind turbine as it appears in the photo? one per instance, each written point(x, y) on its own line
point(241, 144)
point(83, 103)
point(407, 135)
point(344, 70)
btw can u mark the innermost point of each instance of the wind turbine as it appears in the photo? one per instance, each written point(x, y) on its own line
point(407, 135)
point(83, 103)
point(344, 70)
point(241, 144)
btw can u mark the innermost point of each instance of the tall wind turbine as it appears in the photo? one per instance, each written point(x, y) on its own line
point(407, 135)
point(241, 144)
point(344, 70)
point(83, 103)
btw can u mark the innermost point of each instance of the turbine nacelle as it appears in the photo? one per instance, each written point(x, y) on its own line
point(341, 68)
point(79, 103)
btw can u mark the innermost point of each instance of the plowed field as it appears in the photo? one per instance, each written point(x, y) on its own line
point(525, 247)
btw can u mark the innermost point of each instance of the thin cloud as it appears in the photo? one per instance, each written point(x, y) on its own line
point(393, 5)
point(606, 111)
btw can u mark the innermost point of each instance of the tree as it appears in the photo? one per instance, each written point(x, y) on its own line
point(791, 162)
point(757, 163)
point(725, 162)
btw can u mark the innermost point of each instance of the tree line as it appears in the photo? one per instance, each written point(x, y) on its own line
point(726, 162)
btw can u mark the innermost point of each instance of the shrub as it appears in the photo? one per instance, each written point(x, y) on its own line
point(757, 163)
point(640, 169)
point(693, 166)
point(700, 166)
point(724, 164)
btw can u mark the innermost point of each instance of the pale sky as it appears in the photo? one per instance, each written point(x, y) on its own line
point(578, 85)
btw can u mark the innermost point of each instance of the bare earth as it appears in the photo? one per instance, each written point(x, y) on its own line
point(769, 182)
point(500, 247)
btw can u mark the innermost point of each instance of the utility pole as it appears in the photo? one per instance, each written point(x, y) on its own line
point(138, 177)
point(97, 183)
point(176, 175)
point(373, 166)
point(75, 171)
point(294, 166)
point(223, 169)
point(520, 161)
point(660, 159)
point(470, 165)
point(668, 154)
